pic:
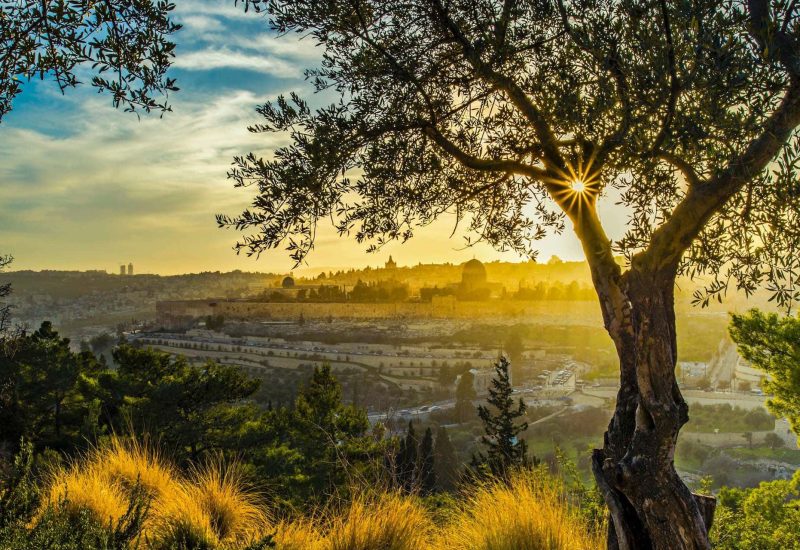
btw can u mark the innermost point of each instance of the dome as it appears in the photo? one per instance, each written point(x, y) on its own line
point(287, 282)
point(473, 275)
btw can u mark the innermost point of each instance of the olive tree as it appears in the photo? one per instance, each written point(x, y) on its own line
point(123, 43)
point(517, 116)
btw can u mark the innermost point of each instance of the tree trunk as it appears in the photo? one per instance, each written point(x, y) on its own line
point(650, 506)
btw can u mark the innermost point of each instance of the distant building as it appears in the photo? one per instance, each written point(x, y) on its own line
point(287, 282)
point(130, 269)
point(473, 276)
point(391, 264)
point(481, 380)
point(122, 269)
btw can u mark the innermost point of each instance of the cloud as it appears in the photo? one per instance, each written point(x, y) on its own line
point(222, 58)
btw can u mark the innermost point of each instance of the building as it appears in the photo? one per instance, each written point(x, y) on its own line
point(130, 269)
point(122, 269)
point(473, 276)
point(391, 264)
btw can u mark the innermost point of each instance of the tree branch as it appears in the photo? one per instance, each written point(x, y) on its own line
point(775, 43)
point(674, 83)
point(611, 61)
point(689, 173)
point(675, 236)
point(477, 163)
point(516, 95)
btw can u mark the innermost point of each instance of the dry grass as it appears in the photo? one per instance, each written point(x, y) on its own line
point(78, 487)
point(301, 534)
point(530, 513)
point(237, 515)
point(213, 508)
point(384, 522)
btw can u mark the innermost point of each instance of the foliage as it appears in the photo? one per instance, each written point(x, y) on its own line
point(125, 43)
point(444, 109)
point(772, 344)
point(505, 449)
point(445, 462)
point(50, 394)
point(408, 461)
point(427, 471)
point(765, 517)
point(192, 409)
point(5, 291)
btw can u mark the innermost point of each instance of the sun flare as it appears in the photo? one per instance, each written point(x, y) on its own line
point(578, 186)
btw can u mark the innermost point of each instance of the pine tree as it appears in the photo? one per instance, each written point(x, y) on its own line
point(445, 461)
point(427, 463)
point(505, 450)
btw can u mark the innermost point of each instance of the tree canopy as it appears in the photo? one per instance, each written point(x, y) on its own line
point(125, 43)
point(493, 109)
point(772, 344)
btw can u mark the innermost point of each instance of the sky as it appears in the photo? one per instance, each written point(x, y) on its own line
point(86, 186)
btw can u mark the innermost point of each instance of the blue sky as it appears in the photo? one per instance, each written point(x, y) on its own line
point(85, 186)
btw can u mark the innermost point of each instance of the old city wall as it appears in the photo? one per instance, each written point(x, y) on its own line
point(176, 312)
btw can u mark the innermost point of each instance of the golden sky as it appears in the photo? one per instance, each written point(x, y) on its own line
point(85, 186)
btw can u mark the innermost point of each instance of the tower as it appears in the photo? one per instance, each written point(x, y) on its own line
point(130, 269)
point(122, 269)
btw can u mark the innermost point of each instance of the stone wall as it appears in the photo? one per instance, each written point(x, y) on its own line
point(181, 313)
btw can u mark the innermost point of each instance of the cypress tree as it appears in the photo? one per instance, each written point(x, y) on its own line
point(427, 473)
point(465, 393)
point(407, 460)
point(445, 461)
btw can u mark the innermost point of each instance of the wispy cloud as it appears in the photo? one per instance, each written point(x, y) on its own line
point(211, 58)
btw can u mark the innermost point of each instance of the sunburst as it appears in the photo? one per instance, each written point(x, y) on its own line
point(577, 186)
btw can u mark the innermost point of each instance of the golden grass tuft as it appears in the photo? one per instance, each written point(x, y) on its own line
point(236, 514)
point(300, 534)
point(76, 487)
point(127, 462)
point(532, 512)
point(211, 509)
point(389, 521)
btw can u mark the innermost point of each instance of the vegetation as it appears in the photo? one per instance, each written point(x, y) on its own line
point(772, 344)
point(765, 517)
point(126, 495)
point(506, 450)
point(530, 512)
point(727, 418)
point(129, 40)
